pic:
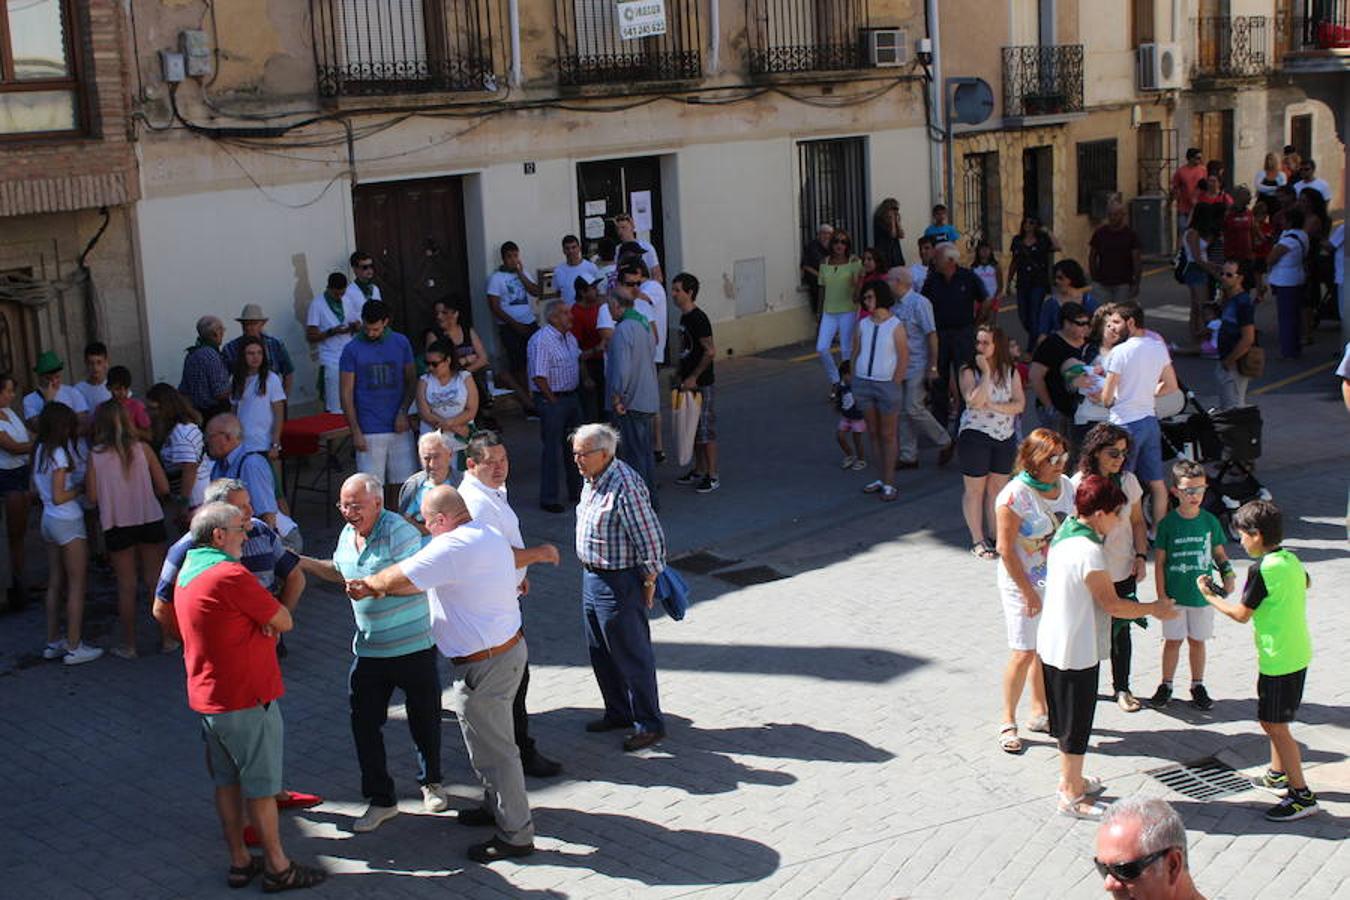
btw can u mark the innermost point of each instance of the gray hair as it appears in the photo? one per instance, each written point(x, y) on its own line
point(368, 482)
point(480, 442)
point(824, 226)
point(599, 436)
point(206, 325)
point(218, 490)
point(946, 250)
point(208, 518)
point(1160, 826)
point(551, 307)
point(901, 277)
point(437, 437)
point(229, 424)
point(622, 299)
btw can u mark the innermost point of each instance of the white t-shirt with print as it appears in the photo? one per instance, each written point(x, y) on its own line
point(1038, 517)
point(255, 411)
point(1074, 632)
point(1139, 363)
point(515, 300)
point(447, 400)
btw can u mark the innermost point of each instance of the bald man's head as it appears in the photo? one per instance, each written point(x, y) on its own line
point(443, 509)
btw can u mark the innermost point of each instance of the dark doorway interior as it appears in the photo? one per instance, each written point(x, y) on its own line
point(605, 188)
point(1038, 168)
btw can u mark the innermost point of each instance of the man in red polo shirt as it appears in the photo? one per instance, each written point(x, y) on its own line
point(229, 623)
point(1186, 187)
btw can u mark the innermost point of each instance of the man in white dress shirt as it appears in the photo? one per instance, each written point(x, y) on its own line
point(469, 575)
point(331, 321)
point(484, 492)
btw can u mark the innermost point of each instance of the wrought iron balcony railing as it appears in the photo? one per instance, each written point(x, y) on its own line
point(805, 36)
point(593, 49)
point(1042, 80)
point(1231, 46)
point(1321, 25)
point(384, 47)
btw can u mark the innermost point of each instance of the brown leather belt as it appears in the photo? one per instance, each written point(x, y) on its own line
point(489, 652)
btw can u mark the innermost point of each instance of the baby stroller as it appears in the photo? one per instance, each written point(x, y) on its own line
point(1226, 442)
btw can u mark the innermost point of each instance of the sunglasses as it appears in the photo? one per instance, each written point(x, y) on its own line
point(435, 362)
point(1058, 460)
point(1129, 871)
point(1114, 452)
point(1192, 491)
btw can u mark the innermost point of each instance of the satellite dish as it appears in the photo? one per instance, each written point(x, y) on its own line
point(973, 101)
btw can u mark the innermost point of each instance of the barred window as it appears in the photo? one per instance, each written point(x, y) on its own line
point(1096, 176)
point(834, 188)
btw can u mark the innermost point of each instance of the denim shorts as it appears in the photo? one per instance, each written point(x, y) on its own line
point(884, 396)
point(60, 532)
point(1195, 275)
point(1145, 459)
point(243, 747)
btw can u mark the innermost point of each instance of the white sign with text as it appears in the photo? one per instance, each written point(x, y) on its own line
point(641, 18)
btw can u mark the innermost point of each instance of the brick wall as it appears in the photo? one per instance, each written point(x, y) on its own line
point(95, 169)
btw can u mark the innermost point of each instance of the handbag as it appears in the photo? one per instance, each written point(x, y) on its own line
point(1252, 364)
point(687, 408)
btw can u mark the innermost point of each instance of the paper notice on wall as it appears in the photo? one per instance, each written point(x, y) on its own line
point(596, 207)
point(640, 208)
point(595, 227)
point(641, 18)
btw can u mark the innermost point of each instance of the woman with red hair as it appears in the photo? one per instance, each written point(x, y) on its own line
point(1075, 633)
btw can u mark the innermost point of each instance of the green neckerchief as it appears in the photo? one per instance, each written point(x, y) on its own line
point(361, 335)
point(198, 560)
point(1028, 479)
point(1072, 527)
point(1118, 480)
point(367, 289)
point(335, 307)
point(632, 315)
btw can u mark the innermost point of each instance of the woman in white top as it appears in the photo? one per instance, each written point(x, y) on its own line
point(1103, 452)
point(986, 442)
point(258, 399)
point(176, 430)
point(1270, 178)
point(1200, 273)
point(880, 357)
point(447, 397)
point(15, 445)
point(987, 269)
point(1286, 278)
point(1028, 511)
point(1074, 634)
point(58, 479)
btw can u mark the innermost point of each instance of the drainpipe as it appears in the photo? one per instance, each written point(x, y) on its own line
point(1176, 21)
point(513, 17)
point(935, 104)
point(715, 35)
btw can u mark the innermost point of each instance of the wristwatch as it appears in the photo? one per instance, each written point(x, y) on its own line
point(1143, 556)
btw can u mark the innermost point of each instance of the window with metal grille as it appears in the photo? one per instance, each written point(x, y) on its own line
point(381, 47)
point(981, 203)
point(39, 69)
point(806, 35)
point(1096, 176)
point(834, 188)
point(592, 49)
point(1157, 157)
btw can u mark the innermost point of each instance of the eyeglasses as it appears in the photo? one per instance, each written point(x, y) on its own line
point(1129, 871)
point(1192, 491)
point(1059, 459)
point(435, 362)
point(582, 454)
point(239, 528)
point(1114, 452)
point(351, 507)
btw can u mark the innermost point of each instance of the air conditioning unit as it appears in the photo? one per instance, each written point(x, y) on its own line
point(1159, 67)
point(886, 47)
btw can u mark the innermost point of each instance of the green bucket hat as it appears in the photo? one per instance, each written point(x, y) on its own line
point(47, 363)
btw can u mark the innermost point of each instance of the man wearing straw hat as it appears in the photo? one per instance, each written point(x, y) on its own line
point(253, 320)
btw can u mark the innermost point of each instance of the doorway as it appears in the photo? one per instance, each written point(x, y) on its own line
point(1038, 184)
point(415, 231)
point(608, 187)
point(1212, 132)
point(1300, 134)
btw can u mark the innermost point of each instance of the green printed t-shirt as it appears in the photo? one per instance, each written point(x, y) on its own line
point(839, 286)
point(1189, 545)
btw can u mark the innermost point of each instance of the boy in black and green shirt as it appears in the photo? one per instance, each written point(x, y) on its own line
point(1274, 600)
point(1189, 542)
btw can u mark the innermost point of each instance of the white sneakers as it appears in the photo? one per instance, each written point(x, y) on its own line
point(82, 653)
point(373, 818)
point(434, 799)
point(55, 649)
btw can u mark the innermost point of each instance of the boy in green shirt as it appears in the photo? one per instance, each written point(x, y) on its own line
point(1275, 601)
point(1189, 543)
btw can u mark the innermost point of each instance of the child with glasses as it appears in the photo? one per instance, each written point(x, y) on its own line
point(1189, 544)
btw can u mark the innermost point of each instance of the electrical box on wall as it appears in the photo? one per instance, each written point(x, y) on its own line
point(171, 66)
point(196, 52)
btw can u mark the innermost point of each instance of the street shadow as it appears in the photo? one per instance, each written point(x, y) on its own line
point(1201, 816)
point(1188, 744)
point(1243, 709)
point(868, 665)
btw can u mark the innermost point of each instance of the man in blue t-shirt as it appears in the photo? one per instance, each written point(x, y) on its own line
point(941, 230)
point(378, 379)
point(1237, 335)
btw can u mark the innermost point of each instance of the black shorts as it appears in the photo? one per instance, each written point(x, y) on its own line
point(1071, 695)
point(1278, 696)
point(979, 454)
point(515, 345)
point(128, 536)
point(14, 481)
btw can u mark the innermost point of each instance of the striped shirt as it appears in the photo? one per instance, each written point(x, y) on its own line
point(266, 558)
point(385, 626)
point(616, 526)
point(552, 355)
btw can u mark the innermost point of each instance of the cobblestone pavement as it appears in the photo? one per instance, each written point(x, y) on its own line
point(832, 731)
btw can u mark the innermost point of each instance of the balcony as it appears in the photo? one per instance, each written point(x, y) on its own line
point(366, 48)
point(1042, 84)
point(1231, 47)
point(1318, 39)
point(595, 49)
point(787, 36)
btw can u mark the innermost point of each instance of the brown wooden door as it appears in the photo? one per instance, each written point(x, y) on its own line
point(415, 231)
point(1213, 134)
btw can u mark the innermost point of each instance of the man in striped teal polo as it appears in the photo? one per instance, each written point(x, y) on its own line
point(393, 647)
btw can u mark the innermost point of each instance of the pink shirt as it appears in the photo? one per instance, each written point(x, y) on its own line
point(126, 497)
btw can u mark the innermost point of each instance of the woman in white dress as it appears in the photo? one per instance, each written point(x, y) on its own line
point(447, 397)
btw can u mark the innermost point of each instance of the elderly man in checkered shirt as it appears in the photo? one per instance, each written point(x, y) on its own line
point(552, 355)
point(622, 548)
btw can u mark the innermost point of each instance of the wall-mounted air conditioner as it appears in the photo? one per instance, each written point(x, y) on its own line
point(1159, 67)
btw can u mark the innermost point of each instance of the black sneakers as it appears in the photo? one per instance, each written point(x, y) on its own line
point(709, 484)
point(1200, 697)
point(692, 477)
point(1161, 697)
point(1295, 805)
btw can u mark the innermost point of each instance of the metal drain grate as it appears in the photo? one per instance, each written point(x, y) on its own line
point(1205, 779)
point(752, 575)
point(702, 562)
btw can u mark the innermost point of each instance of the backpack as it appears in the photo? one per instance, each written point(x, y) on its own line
point(1179, 263)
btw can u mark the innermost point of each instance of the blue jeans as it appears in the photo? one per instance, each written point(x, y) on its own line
point(370, 687)
point(832, 324)
point(1029, 301)
point(635, 446)
point(620, 642)
point(1289, 313)
point(1145, 459)
point(557, 420)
